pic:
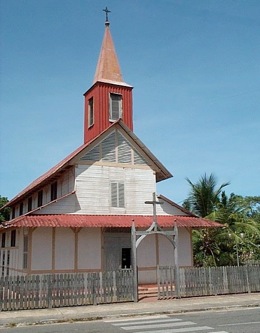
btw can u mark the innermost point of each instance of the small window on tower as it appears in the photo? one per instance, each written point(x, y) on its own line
point(90, 112)
point(115, 107)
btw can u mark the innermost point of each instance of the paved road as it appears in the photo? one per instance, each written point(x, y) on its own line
point(230, 321)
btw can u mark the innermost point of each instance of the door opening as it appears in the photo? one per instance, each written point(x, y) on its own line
point(126, 257)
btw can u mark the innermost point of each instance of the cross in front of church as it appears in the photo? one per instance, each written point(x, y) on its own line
point(154, 203)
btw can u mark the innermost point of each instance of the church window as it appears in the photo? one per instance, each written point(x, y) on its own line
point(117, 194)
point(29, 204)
point(13, 212)
point(40, 196)
point(115, 108)
point(21, 208)
point(3, 264)
point(13, 238)
point(3, 239)
point(90, 112)
point(53, 191)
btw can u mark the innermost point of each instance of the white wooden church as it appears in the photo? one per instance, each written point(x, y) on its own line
point(77, 217)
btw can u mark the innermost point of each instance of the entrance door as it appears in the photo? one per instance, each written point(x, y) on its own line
point(126, 258)
point(116, 250)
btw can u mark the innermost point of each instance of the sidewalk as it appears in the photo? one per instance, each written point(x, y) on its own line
point(92, 312)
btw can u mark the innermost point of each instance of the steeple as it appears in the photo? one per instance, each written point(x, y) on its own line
point(108, 68)
point(109, 98)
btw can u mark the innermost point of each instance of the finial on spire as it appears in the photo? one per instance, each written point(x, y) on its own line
point(106, 11)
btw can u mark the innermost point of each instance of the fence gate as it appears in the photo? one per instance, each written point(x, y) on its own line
point(138, 236)
point(166, 281)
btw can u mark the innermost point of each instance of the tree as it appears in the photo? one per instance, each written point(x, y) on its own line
point(240, 217)
point(203, 200)
point(5, 212)
point(238, 242)
point(204, 195)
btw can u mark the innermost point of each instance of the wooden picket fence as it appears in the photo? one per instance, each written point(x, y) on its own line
point(206, 281)
point(59, 290)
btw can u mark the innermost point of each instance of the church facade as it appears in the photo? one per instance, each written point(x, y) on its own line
point(77, 217)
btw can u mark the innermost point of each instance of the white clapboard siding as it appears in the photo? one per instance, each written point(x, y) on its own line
point(93, 189)
point(66, 182)
point(65, 205)
point(167, 209)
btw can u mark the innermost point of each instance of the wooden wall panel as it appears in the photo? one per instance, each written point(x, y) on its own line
point(93, 189)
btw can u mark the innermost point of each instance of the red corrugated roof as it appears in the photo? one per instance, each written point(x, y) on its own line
point(108, 221)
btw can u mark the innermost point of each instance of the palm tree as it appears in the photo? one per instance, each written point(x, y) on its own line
point(204, 196)
point(202, 201)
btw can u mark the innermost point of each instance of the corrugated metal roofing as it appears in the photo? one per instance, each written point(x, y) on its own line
point(109, 221)
point(108, 67)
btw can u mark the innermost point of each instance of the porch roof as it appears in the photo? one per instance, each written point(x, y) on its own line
point(108, 221)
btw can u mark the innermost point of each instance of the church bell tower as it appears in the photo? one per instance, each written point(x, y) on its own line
point(109, 98)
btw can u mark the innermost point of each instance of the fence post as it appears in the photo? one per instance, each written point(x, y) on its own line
point(247, 279)
point(158, 281)
point(49, 291)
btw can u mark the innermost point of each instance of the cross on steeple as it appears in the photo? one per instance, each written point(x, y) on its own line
point(106, 10)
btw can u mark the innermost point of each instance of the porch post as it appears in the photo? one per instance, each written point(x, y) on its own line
point(176, 263)
point(134, 261)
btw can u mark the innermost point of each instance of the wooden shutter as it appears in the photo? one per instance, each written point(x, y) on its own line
point(121, 195)
point(114, 194)
point(117, 195)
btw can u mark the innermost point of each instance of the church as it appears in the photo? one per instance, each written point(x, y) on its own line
point(77, 217)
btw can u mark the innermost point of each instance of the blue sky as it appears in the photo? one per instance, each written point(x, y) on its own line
point(194, 65)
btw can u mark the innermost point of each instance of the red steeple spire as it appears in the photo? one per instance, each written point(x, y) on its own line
point(110, 98)
point(108, 68)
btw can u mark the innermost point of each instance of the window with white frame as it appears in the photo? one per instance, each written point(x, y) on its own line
point(117, 194)
point(90, 112)
point(115, 107)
